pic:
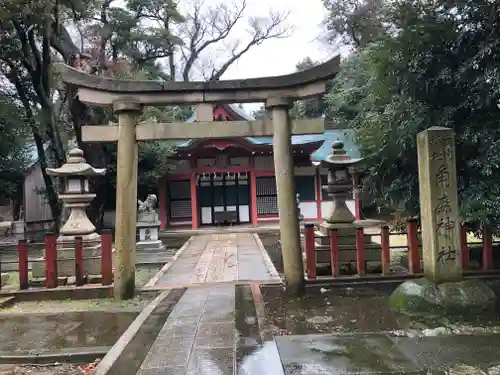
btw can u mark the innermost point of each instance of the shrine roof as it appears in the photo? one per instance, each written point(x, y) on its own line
point(328, 137)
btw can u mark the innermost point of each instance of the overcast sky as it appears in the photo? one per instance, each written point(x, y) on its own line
point(279, 56)
point(276, 57)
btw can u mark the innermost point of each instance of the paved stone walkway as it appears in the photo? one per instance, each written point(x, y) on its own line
point(218, 258)
point(211, 330)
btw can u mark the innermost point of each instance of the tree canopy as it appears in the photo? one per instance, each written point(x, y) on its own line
point(438, 66)
point(136, 39)
point(14, 155)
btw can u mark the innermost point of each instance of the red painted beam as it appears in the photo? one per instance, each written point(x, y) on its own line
point(194, 202)
point(23, 264)
point(413, 251)
point(487, 248)
point(385, 249)
point(464, 249)
point(79, 270)
point(106, 257)
point(162, 202)
point(334, 252)
point(360, 251)
point(50, 261)
point(310, 251)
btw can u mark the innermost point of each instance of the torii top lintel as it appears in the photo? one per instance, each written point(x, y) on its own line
point(102, 91)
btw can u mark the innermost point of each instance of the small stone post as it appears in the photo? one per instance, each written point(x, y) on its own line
point(439, 205)
point(287, 204)
point(126, 199)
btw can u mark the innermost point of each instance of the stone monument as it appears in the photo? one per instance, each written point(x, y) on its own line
point(338, 216)
point(148, 225)
point(76, 198)
point(442, 288)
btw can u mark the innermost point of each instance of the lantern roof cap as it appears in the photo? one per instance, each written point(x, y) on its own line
point(76, 165)
point(339, 156)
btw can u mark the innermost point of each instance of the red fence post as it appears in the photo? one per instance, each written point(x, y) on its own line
point(106, 257)
point(50, 260)
point(360, 251)
point(79, 270)
point(464, 249)
point(487, 248)
point(413, 251)
point(334, 252)
point(23, 265)
point(310, 251)
point(385, 248)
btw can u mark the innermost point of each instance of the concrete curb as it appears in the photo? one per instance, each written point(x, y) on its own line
point(159, 288)
point(7, 301)
point(89, 291)
point(267, 260)
point(165, 268)
point(114, 353)
point(78, 355)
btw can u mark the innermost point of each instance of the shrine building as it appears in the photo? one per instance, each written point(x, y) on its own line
point(232, 180)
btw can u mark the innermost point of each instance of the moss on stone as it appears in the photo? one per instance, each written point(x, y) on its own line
point(421, 296)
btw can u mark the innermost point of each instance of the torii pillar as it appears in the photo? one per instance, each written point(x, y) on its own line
point(291, 249)
point(126, 198)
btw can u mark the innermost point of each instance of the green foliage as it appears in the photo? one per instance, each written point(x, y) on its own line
point(355, 23)
point(439, 67)
point(14, 158)
point(311, 108)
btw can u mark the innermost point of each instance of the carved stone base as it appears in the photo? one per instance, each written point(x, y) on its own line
point(66, 257)
point(150, 246)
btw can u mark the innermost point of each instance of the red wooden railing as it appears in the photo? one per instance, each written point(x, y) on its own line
point(413, 250)
point(49, 247)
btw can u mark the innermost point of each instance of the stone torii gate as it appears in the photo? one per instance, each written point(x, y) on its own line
point(127, 99)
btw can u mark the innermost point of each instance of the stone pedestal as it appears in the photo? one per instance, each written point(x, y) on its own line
point(150, 250)
point(66, 255)
point(347, 246)
point(148, 227)
point(17, 229)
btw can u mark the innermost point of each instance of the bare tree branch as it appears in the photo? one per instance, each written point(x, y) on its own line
point(205, 28)
point(261, 30)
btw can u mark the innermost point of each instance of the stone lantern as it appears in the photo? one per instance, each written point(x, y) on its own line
point(339, 184)
point(337, 215)
point(76, 198)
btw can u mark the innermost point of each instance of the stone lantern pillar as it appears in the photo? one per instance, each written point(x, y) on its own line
point(337, 215)
point(76, 198)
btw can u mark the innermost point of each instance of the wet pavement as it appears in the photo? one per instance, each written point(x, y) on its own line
point(379, 353)
point(211, 330)
point(23, 333)
point(240, 330)
point(219, 258)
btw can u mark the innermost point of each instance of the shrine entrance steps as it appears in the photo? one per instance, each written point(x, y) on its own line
point(218, 258)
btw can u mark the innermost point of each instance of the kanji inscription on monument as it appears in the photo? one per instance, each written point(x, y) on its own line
point(439, 204)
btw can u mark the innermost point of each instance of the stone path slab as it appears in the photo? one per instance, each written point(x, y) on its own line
point(211, 330)
point(219, 258)
point(380, 353)
point(341, 355)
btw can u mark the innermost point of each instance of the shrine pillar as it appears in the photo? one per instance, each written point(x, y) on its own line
point(285, 186)
point(126, 199)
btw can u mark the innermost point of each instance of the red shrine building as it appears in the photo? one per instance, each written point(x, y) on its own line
point(231, 180)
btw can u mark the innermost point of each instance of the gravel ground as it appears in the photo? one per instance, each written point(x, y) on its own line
point(52, 369)
point(105, 304)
